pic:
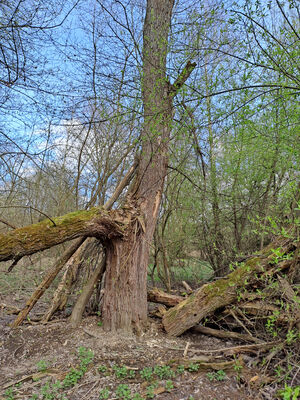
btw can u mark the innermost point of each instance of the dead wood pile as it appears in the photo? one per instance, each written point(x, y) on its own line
point(258, 303)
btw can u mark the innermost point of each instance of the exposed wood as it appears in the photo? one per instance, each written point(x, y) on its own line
point(187, 287)
point(47, 282)
point(159, 311)
point(239, 321)
point(159, 296)
point(62, 292)
point(124, 305)
point(87, 290)
point(225, 334)
point(247, 348)
point(222, 292)
point(204, 363)
point(35, 376)
point(59, 265)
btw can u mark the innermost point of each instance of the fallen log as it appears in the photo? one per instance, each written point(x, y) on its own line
point(158, 296)
point(222, 292)
point(225, 334)
point(247, 348)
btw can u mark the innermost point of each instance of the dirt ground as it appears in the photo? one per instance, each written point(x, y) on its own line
point(35, 354)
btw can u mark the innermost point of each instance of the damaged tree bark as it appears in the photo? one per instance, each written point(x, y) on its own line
point(96, 222)
point(125, 298)
point(126, 234)
point(222, 292)
point(78, 246)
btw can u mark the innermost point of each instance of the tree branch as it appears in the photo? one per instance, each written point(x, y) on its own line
point(183, 76)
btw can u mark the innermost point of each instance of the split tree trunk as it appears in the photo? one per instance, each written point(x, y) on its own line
point(125, 295)
point(125, 234)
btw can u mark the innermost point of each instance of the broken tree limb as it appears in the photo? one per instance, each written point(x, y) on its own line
point(187, 287)
point(47, 282)
point(225, 334)
point(62, 292)
point(58, 266)
point(86, 293)
point(158, 296)
point(222, 292)
point(246, 348)
point(96, 222)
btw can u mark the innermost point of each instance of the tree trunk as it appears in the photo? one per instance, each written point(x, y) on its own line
point(125, 294)
point(126, 234)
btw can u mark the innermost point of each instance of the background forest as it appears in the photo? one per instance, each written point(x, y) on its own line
point(71, 119)
point(77, 79)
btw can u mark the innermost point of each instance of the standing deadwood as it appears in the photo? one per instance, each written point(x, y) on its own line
point(222, 292)
point(125, 294)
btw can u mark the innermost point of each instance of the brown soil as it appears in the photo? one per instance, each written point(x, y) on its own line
point(57, 344)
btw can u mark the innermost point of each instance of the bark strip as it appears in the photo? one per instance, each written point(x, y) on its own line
point(86, 293)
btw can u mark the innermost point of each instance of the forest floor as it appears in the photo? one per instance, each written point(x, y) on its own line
point(57, 362)
point(54, 361)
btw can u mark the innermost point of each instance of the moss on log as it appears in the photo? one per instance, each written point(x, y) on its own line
point(222, 292)
point(95, 222)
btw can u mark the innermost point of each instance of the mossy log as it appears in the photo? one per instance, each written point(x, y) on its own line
point(95, 222)
point(222, 292)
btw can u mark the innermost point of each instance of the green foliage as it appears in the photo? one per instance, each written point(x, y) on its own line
point(180, 369)
point(163, 372)
point(42, 365)
point(169, 385)
point(102, 368)
point(193, 367)
point(85, 355)
point(75, 374)
point(137, 396)
point(290, 393)
point(271, 322)
point(146, 373)
point(218, 376)
point(104, 394)
point(150, 391)
point(9, 393)
point(123, 392)
point(130, 374)
point(291, 336)
point(120, 371)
